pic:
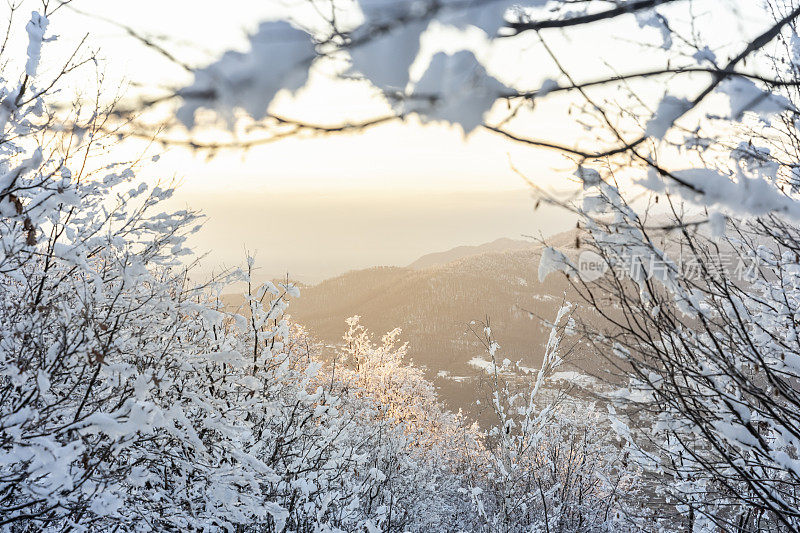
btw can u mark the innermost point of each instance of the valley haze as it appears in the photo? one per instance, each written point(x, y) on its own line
point(324, 234)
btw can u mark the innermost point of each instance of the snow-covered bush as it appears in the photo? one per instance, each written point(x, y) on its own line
point(698, 318)
point(382, 373)
point(551, 463)
point(90, 314)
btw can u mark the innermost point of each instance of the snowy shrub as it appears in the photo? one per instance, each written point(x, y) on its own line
point(551, 462)
point(699, 322)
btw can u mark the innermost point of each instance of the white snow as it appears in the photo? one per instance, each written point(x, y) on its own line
point(460, 89)
point(279, 58)
point(36, 29)
point(669, 110)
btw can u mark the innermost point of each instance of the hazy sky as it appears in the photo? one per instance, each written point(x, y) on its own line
point(312, 236)
point(384, 196)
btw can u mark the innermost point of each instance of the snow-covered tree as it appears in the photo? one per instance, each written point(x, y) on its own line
point(551, 463)
point(697, 316)
point(698, 301)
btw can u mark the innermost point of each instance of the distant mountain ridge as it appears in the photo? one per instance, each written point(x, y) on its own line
point(500, 245)
point(438, 299)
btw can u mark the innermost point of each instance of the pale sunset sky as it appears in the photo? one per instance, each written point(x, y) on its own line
point(383, 196)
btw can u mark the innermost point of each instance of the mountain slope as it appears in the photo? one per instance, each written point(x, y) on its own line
point(438, 306)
